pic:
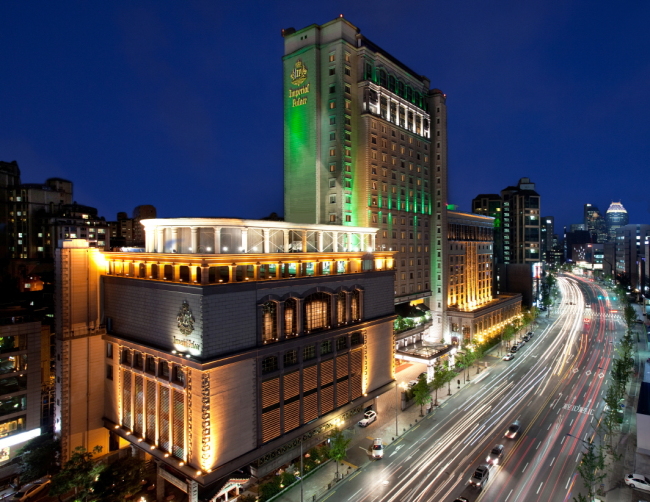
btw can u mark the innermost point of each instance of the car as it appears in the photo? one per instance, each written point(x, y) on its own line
point(638, 321)
point(29, 490)
point(368, 418)
point(513, 430)
point(495, 454)
point(529, 334)
point(525, 339)
point(480, 477)
point(461, 499)
point(413, 383)
point(377, 449)
point(514, 348)
point(638, 481)
point(508, 357)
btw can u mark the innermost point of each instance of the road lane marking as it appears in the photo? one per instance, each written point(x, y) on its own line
point(552, 462)
point(571, 422)
point(563, 438)
point(524, 469)
point(540, 486)
point(567, 483)
point(508, 496)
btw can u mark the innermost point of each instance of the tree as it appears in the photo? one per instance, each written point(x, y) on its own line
point(39, 457)
point(438, 381)
point(629, 315)
point(508, 334)
point(421, 393)
point(611, 419)
point(78, 474)
point(119, 480)
point(592, 462)
point(338, 447)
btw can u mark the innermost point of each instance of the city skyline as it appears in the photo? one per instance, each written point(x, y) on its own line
point(159, 104)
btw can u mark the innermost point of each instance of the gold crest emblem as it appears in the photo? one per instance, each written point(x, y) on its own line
point(185, 319)
point(299, 73)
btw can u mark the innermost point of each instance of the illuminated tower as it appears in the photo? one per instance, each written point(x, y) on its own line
point(365, 144)
point(616, 217)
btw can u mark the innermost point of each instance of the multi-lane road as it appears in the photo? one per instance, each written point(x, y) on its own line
point(554, 387)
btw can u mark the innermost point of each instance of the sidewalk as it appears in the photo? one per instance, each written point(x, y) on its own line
point(632, 462)
point(319, 484)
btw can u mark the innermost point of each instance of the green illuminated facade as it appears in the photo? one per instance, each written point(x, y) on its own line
point(365, 142)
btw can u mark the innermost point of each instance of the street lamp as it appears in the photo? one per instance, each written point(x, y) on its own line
point(579, 439)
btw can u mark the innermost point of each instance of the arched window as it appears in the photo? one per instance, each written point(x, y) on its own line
point(269, 322)
point(290, 318)
point(355, 310)
point(341, 307)
point(382, 78)
point(317, 311)
point(391, 83)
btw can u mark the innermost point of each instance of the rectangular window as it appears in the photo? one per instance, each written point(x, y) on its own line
point(109, 371)
point(332, 199)
point(342, 343)
point(332, 57)
point(290, 358)
point(332, 218)
point(347, 89)
point(332, 183)
point(332, 105)
point(332, 71)
point(348, 71)
point(332, 152)
point(325, 347)
point(333, 136)
point(109, 350)
point(332, 89)
point(309, 352)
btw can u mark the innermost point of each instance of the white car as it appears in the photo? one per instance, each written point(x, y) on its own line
point(638, 481)
point(368, 418)
point(377, 449)
point(495, 454)
point(508, 357)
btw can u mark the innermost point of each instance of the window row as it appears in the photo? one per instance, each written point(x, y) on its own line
point(316, 312)
point(149, 364)
point(308, 352)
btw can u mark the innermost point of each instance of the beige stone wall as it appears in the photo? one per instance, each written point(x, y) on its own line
point(232, 421)
point(380, 351)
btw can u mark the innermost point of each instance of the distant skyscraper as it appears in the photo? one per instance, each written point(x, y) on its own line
point(617, 217)
point(595, 222)
point(547, 230)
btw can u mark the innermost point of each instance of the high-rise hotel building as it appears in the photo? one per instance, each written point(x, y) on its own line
point(365, 141)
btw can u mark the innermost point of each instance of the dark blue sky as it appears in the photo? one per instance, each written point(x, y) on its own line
point(179, 104)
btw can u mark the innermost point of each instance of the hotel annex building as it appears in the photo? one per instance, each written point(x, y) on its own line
point(225, 344)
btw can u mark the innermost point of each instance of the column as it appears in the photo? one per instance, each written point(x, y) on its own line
point(286, 240)
point(333, 265)
point(175, 273)
point(304, 241)
point(267, 240)
point(300, 322)
point(278, 270)
point(320, 241)
point(244, 240)
point(231, 272)
point(174, 245)
point(217, 240)
point(147, 272)
point(205, 275)
point(194, 241)
point(335, 242)
point(192, 272)
point(160, 245)
point(160, 483)
point(149, 239)
point(373, 241)
point(256, 271)
point(349, 243)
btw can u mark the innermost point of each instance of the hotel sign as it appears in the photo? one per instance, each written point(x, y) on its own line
point(298, 76)
point(185, 322)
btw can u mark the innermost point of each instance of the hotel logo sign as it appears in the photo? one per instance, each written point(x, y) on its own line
point(185, 319)
point(298, 76)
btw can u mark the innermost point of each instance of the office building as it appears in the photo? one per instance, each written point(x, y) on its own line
point(547, 231)
point(129, 232)
point(630, 255)
point(616, 218)
point(209, 361)
point(595, 223)
point(365, 143)
point(517, 222)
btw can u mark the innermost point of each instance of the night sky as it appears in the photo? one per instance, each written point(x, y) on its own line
point(179, 104)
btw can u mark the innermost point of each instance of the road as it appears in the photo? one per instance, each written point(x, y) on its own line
point(554, 387)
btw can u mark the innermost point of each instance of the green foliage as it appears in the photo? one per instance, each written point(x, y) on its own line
point(421, 393)
point(508, 334)
point(443, 375)
point(78, 473)
point(39, 457)
point(338, 447)
point(629, 315)
point(275, 485)
point(592, 462)
point(119, 480)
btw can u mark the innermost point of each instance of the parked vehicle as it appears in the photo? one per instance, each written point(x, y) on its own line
point(514, 348)
point(368, 418)
point(508, 357)
point(638, 481)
